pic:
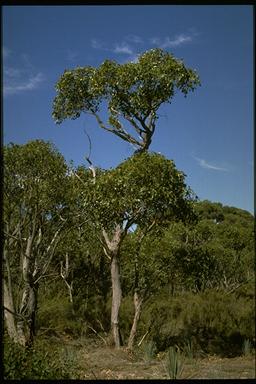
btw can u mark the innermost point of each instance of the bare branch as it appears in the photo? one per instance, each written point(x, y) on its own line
point(14, 313)
point(124, 135)
point(97, 333)
point(52, 245)
point(90, 144)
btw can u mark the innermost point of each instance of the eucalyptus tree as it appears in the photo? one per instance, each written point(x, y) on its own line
point(143, 191)
point(35, 213)
point(132, 92)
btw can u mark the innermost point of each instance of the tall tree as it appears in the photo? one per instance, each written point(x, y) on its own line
point(133, 93)
point(34, 216)
point(143, 190)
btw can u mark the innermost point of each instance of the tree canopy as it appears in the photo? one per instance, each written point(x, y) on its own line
point(146, 187)
point(133, 92)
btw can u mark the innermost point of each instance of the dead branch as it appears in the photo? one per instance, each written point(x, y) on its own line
point(97, 334)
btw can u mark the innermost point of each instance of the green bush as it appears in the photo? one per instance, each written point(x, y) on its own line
point(42, 361)
point(217, 322)
point(55, 314)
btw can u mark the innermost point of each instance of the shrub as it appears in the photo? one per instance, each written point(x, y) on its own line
point(42, 361)
point(217, 322)
point(55, 314)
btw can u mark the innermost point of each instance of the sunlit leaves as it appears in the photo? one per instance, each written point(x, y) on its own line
point(133, 91)
point(144, 188)
point(34, 176)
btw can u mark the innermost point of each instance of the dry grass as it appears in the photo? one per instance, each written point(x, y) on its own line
point(101, 362)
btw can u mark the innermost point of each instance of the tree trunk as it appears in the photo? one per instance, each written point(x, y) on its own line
point(112, 250)
point(32, 308)
point(9, 314)
point(26, 323)
point(116, 300)
point(137, 307)
point(28, 301)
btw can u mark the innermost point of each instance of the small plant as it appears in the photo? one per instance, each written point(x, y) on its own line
point(150, 350)
point(188, 349)
point(247, 347)
point(174, 363)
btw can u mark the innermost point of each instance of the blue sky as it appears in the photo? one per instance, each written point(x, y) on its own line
point(209, 134)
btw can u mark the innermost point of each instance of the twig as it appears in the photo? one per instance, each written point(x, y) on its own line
point(97, 334)
point(143, 337)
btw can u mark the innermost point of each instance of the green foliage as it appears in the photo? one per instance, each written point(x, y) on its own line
point(247, 348)
point(174, 363)
point(145, 188)
point(34, 175)
point(188, 349)
point(216, 322)
point(133, 92)
point(130, 88)
point(55, 315)
point(149, 350)
point(43, 361)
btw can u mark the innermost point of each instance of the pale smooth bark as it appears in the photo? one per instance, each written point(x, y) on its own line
point(137, 300)
point(9, 314)
point(65, 272)
point(116, 300)
point(112, 251)
point(139, 295)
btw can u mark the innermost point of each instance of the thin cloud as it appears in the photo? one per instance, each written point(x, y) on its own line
point(134, 39)
point(12, 72)
point(181, 39)
point(170, 43)
point(204, 164)
point(21, 77)
point(129, 44)
point(123, 48)
point(30, 84)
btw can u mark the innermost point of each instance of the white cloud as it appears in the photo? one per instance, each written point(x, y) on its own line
point(203, 163)
point(119, 48)
point(20, 77)
point(170, 43)
point(14, 87)
point(129, 42)
point(123, 48)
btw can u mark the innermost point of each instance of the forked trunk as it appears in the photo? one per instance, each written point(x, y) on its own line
point(26, 322)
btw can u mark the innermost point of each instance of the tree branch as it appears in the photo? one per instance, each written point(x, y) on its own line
point(124, 135)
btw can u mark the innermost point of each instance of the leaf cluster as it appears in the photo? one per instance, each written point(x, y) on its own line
point(133, 89)
point(145, 188)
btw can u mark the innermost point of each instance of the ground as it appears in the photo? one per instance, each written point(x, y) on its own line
point(103, 362)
